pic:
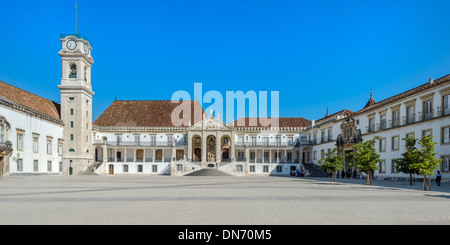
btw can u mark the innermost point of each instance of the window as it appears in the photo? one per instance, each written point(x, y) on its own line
point(291, 140)
point(252, 169)
point(427, 109)
point(71, 111)
point(2, 133)
point(73, 71)
point(155, 168)
point(266, 140)
point(315, 155)
point(371, 125)
point(60, 166)
point(410, 114)
point(383, 145)
point(35, 143)
point(49, 166)
point(445, 164)
point(35, 165)
point(446, 104)
point(71, 137)
point(382, 165)
point(446, 135)
point(49, 146)
point(20, 141)
point(125, 168)
point(426, 132)
point(19, 165)
point(323, 139)
point(394, 166)
point(410, 135)
point(60, 148)
point(71, 124)
point(252, 155)
point(396, 118)
point(383, 121)
point(179, 167)
point(395, 143)
point(253, 141)
point(279, 169)
point(265, 169)
point(139, 168)
point(239, 168)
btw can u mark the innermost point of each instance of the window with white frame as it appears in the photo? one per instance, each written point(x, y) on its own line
point(239, 168)
point(395, 118)
point(2, 133)
point(446, 104)
point(265, 169)
point(395, 143)
point(35, 165)
point(445, 167)
point(383, 145)
point(49, 146)
point(410, 114)
point(155, 168)
point(383, 121)
point(19, 165)
point(49, 166)
point(35, 143)
point(20, 141)
point(446, 135)
point(427, 109)
point(252, 169)
point(371, 125)
point(382, 165)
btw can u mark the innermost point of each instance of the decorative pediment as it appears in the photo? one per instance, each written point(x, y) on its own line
point(210, 123)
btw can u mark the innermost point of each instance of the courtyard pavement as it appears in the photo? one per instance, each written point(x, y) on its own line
point(218, 200)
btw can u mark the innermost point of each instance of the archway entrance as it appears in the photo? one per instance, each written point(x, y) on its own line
point(197, 152)
point(211, 148)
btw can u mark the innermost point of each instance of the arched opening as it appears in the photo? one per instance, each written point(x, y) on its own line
point(211, 148)
point(98, 154)
point(225, 148)
point(197, 148)
point(139, 155)
point(73, 71)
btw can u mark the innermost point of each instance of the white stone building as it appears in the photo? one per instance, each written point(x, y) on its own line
point(38, 136)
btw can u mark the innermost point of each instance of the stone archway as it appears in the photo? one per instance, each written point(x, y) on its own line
point(211, 148)
point(197, 148)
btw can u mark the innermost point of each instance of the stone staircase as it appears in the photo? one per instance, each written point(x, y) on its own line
point(314, 170)
point(208, 172)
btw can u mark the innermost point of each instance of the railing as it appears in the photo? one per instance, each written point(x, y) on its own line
point(141, 143)
point(265, 144)
point(410, 119)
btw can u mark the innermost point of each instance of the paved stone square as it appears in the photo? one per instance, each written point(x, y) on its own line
point(221, 200)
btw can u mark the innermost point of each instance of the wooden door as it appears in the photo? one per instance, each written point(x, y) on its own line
point(111, 169)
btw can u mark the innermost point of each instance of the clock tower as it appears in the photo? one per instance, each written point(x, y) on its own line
point(76, 103)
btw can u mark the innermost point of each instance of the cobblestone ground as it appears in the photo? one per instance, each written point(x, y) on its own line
point(218, 200)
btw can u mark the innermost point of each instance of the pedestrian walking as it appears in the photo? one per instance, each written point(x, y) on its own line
point(438, 178)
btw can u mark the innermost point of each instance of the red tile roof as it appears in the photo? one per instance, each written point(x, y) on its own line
point(282, 122)
point(145, 113)
point(374, 105)
point(30, 100)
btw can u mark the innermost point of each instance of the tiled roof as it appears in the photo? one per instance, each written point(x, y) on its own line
point(29, 100)
point(415, 90)
point(282, 121)
point(144, 113)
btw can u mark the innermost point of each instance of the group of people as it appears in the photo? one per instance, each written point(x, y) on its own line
point(300, 173)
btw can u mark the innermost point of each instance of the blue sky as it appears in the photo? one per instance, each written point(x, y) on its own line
point(317, 54)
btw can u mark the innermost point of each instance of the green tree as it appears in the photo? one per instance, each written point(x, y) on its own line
point(427, 162)
point(410, 157)
point(365, 158)
point(332, 162)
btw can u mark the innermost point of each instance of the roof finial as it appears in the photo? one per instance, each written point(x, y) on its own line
point(371, 94)
point(327, 112)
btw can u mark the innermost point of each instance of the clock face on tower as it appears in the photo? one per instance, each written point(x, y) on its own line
point(71, 44)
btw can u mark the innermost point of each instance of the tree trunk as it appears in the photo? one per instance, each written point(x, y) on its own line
point(410, 178)
point(333, 176)
point(424, 186)
point(430, 182)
